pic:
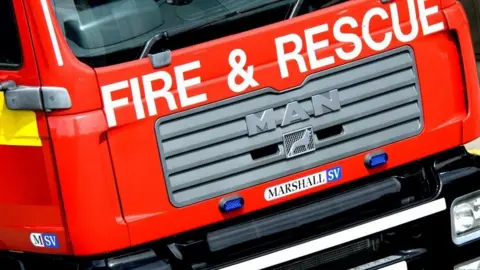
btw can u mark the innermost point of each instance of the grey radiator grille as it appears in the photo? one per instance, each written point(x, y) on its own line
point(207, 152)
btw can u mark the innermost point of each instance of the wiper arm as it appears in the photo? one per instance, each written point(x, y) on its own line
point(180, 30)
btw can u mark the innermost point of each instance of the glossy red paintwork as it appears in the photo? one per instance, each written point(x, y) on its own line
point(458, 22)
point(78, 78)
point(111, 182)
point(139, 176)
point(94, 217)
point(448, 3)
point(92, 208)
point(29, 197)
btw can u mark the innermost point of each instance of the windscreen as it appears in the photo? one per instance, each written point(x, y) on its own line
point(106, 32)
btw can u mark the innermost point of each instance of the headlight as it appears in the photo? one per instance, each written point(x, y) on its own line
point(471, 265)
point(465, 218)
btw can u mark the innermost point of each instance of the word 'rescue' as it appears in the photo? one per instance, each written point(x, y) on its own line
point(340, 36)
point(419, 22)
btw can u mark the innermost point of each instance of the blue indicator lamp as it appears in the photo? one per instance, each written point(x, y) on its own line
point(231, 204)
point(376, 159)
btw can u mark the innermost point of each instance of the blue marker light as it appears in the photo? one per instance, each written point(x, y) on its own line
point(376, 159)
point(231, 204)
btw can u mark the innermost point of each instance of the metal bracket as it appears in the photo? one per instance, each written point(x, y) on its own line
point(24, 98)
point(7, 85)
point(34, 98)
point(55, 98)
point(161, 59)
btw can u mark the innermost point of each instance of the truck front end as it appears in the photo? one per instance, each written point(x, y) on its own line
point(259, 135)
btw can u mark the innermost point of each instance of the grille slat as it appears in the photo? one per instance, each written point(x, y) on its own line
point(245, 162)
point(279, 169)
point(243, 106)
point(216, 152)
point(206, 151)
point(238, 128)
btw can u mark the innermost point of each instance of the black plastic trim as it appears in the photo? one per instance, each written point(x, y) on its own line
point(132, 260)
point(230, 236)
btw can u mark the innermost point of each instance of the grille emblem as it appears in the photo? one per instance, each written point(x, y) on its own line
point(299, 142)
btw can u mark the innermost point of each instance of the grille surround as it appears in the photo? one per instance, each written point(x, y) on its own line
point(392, 75)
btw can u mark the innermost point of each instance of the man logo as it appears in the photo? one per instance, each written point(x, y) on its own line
point(44, 240)
point(294, 112)
point(299, 142)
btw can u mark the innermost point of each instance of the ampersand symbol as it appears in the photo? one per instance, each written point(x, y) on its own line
point(238, 70)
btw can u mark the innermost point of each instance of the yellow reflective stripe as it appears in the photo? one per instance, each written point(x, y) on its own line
point(18, 127)
point(474, 152)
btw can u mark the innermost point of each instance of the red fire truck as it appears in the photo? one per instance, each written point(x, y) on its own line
point(232, 134)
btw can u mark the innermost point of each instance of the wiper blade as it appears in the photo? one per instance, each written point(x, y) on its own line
point(180, 30)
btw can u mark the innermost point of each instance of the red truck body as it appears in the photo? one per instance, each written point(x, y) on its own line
point(100, 187)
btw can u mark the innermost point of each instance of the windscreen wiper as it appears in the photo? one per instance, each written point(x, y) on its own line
point(190, 27)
